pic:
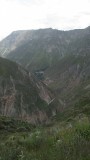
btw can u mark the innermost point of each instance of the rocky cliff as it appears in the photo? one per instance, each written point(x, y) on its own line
point(22, 97)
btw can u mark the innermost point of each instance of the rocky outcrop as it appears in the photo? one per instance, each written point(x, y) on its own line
point(21, 96)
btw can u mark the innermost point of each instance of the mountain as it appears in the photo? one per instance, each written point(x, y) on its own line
point(55, 91)
point(39, 49)
point(60, 59)
point(22, 96)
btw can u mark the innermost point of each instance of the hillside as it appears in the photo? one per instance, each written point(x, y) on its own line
point(22, 96)
point(61, 59)
point(53, 95)
point(67, 140)
point(40, 49)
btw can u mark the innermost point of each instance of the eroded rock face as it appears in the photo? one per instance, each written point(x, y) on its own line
point(21, 96)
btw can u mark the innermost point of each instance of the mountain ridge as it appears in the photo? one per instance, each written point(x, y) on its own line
point(21, 36)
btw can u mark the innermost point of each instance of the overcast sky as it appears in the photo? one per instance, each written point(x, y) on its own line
point(34, 14)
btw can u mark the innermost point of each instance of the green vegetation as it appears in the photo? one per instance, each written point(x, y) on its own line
point(9, 68)
point(67, 140)
point(8, 124)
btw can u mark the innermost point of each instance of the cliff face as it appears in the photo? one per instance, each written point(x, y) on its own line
point(21, 96)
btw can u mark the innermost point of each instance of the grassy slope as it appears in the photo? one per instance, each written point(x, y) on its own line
point(67, 140)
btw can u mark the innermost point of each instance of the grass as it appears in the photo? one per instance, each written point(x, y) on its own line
point(11, 125)
point(62, 141)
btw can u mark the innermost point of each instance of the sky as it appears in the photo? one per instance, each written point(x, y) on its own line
point(35, 14)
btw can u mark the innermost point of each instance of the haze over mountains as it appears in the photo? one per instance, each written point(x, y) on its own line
point(59, 59)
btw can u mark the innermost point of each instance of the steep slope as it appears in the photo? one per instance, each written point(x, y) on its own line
point(35, 49)
point(22, 97)
point(40, 49)
point(70, 80)
point(61, 59)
